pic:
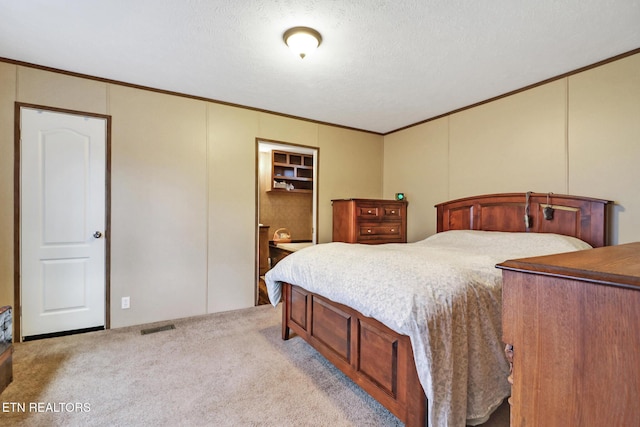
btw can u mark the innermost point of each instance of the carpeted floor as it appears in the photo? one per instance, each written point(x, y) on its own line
point(225, 369)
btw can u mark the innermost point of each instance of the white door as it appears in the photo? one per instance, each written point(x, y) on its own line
point(62, 221)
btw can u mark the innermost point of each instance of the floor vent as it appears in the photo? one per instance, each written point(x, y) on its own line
point(158, 329)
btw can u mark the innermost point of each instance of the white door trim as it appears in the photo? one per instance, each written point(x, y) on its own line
point(17, 209)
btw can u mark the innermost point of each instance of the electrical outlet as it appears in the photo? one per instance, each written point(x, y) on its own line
point(126, 301)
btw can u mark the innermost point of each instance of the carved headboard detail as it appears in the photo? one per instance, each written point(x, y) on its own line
point(581, 217)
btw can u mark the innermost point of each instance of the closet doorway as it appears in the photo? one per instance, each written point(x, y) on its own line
point(286, 198)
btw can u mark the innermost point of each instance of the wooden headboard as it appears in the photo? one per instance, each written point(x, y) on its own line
point(581, 217)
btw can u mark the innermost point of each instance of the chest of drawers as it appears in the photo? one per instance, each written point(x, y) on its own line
point(572, 325)
point(369, 221)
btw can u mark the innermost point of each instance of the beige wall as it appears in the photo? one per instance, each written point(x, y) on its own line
point(577, 135)
point(350, 167)
point(604, 140)
point(183, 196)
point(232, 222)
point(416, 164)
point(512, 144)
point(7, 96)
point(184, 186)
point(158, 205)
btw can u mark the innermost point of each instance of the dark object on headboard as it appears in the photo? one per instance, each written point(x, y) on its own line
point(581, 217)
point(6, 349)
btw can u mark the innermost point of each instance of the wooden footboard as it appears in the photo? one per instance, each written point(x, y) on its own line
point(376, 358)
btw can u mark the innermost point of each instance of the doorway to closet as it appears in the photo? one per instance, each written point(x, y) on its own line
point(286, 195)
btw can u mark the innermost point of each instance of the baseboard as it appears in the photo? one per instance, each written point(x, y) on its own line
point(62, 334)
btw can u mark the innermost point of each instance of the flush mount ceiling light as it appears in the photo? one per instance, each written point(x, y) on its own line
point(302, 40)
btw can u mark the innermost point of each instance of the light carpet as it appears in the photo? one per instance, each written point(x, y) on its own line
point(223, 369)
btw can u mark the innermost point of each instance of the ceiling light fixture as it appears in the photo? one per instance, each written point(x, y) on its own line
point(302, 40)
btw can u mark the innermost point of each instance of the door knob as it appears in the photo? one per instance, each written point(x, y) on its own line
point(97, 234)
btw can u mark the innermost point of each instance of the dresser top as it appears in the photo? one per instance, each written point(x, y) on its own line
point(370, 200)
point(610, 265)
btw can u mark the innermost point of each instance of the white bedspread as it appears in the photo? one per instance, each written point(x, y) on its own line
point(443, 292)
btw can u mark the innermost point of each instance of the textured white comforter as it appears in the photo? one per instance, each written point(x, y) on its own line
point(444, 292)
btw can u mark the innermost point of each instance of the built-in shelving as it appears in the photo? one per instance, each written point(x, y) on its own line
point(291, 172)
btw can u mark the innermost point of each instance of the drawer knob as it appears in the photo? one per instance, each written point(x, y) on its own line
point(369, 231)
point(393, 212)
point(393, 230)
point(369, 211)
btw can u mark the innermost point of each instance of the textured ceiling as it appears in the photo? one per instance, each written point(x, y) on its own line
point(382, 65)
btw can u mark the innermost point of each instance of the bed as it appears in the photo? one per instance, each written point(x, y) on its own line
point(428, 346)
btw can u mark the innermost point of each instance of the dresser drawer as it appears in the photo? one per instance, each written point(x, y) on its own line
point(393, 213)
point(378, 213)
point(376, 231)
point(368, 213)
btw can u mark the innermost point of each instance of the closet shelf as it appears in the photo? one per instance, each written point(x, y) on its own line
point(291, 172)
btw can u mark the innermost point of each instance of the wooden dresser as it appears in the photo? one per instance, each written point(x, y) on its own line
point(573, 321)
point(369, 221)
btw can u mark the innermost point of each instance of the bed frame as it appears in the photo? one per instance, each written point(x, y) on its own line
point(380, 360)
